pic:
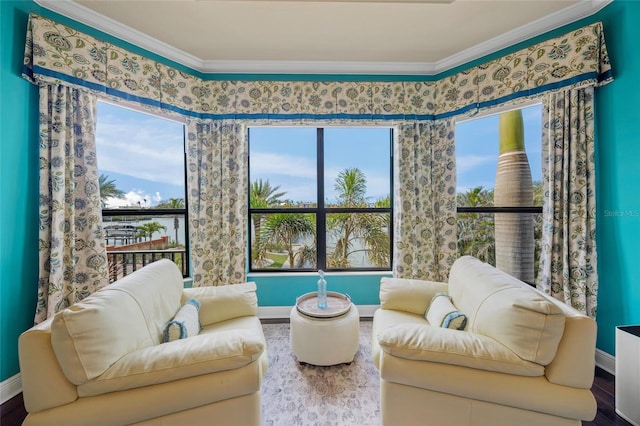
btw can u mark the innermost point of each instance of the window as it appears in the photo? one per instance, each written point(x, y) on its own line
point(141, 162)
point(499, 192)
point(320, 198)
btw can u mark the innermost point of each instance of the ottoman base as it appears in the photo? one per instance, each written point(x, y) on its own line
point(325, 341)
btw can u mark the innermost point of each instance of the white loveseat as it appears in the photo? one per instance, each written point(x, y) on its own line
point(102, 360)
point(523, 359)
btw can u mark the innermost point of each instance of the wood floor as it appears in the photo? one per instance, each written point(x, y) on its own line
point(12, 412)
point(604, 389)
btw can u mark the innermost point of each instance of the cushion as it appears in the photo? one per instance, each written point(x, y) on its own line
point(185, 324)
point(91, 335)
point(181, 359)
point(222, 303)
point(442, 313)
point(422, 342)
point(408, 295)
point(157, 289)
point(506, 309)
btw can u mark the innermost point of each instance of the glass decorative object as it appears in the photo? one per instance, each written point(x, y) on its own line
point(322, 291)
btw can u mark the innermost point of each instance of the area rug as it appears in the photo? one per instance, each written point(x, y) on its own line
point(301, 394)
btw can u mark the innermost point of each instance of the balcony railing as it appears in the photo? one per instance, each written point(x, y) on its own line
point(124, 262)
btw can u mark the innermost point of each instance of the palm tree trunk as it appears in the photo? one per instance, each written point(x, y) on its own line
point(292, 259)
point(176, 225)
point(514, 188)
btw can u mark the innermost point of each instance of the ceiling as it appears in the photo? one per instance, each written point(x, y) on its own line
point(324, 36)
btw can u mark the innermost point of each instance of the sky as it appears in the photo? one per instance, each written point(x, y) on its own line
point(286, 157)
point(477, 148)
point(143, 154)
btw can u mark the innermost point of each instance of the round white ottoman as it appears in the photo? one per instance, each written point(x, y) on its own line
point(325, 341)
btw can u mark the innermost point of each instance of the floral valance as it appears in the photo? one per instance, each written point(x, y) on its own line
point(56, 52)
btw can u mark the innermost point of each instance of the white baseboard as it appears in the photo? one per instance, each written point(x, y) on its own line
point(606, 362)
point(282, 312)
point(10, 388)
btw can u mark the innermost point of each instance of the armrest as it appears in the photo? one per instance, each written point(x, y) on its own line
point(443, 345)
point(221, 303)
point(414, 296)
point(166, 362)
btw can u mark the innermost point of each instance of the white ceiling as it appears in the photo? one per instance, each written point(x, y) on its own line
point(324, 36)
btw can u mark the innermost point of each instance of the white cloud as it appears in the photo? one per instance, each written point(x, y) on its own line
point(297, 191)
point(133, 198)
point(274, 164)
point(465, 163)
point(295, 175)
point(141, 146)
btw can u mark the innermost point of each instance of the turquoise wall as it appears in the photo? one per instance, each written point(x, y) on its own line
point(282, 291)
point(618, 146)
point(18, 187)
point(618, 175)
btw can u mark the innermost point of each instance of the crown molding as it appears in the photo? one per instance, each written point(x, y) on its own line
point(535, 28)
point(319, 67)
point(86, 16)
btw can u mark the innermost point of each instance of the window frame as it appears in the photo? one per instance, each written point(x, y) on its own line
point(144, 211)
point(501, 209)
point(321, 211)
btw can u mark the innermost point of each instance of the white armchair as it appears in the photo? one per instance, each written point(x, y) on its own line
point(523, 358)
point(102, 361)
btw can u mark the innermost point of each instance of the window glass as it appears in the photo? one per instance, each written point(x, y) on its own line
point(367, 150)
point(337, 181)
point(499, 191)
point(346, 247)
point(142, 188)
point(477, 151)
point(283, 164)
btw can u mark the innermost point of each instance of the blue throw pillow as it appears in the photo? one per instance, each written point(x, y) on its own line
point(442, 313)
point(185, 324)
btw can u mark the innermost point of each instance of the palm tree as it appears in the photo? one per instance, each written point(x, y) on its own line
point(155, 227)
point(537, 227)
point(108, 189)
point(176, 203)
point(143, 231)
point(514, 232)
point(307, 255)
point(264, 195)
point(368, 228)
point(286, 229)
point(351, 188)
point(261, 195)
point(476, 230)
point(148, 229)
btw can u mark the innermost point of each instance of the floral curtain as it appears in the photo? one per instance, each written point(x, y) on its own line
point(568, 261)
point(73, 257)
point(217, 194)
point(425, 208)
